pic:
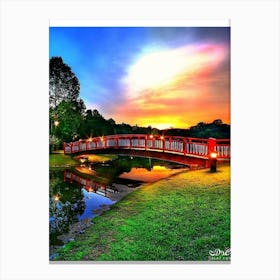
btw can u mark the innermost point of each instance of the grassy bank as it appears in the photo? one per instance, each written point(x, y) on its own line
point(179, 218)
point(58, 159)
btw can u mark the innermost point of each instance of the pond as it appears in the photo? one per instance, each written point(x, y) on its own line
point(78, 194)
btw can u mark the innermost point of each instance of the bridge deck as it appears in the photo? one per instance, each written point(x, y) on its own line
point(172, 148)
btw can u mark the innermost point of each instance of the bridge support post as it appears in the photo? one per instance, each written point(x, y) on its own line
point(184, 146)
point(170, 140)
point(146, 142)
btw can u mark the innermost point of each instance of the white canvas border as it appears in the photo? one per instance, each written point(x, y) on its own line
point(255, 128)
point(170, 23)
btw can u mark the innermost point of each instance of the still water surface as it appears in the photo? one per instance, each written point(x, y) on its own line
point(83, 192)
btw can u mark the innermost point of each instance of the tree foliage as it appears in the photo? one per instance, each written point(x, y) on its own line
point(70, 120)
point(65, 106)
point(216, 129)
point(95, 124)
point(63, 84)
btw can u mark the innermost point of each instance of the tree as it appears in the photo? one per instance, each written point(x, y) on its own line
point(54, 142)
point(70, 120)
point(88, 114)
point(155, 131)
point(112, 122)
point(97, 115)
point(63, 84)
point(218, 122)
point(65, 107)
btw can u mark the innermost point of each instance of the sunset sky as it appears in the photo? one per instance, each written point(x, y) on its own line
point(159, 76)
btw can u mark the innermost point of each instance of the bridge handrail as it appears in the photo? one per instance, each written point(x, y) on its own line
point(169, 144)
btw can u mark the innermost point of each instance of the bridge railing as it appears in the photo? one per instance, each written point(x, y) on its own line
point(170, 144)
point(222, 147)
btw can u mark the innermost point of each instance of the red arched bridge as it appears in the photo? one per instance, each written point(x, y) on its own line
point(184, 150)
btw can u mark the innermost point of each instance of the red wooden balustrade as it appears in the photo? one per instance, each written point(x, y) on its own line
point(187, 146)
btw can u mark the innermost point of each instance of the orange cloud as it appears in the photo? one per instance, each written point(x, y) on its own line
point(178, 88)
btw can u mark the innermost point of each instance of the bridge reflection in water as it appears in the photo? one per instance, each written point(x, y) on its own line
point(184, 150)
point(89, 185)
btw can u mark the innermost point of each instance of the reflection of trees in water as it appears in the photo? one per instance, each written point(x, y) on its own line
point(121, 165)
point(64, 212)
point(65, 204)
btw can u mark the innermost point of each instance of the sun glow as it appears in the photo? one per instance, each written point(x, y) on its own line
point(158, 68)
point(154, 69)
point(163, 125)
point(161, 122)
point(178, 87)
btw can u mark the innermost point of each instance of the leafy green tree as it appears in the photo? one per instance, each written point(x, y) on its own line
point(123, 128)
point(66, 109)
point(96, 114)
point(70, 120)
point(88, 115)
point(155, 131)
point(63, 84)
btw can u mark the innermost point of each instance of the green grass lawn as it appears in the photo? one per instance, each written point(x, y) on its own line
point(178, 218)
point(58, 159)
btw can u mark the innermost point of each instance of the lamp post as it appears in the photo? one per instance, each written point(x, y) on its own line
point(55, 123)
point(213, 161)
